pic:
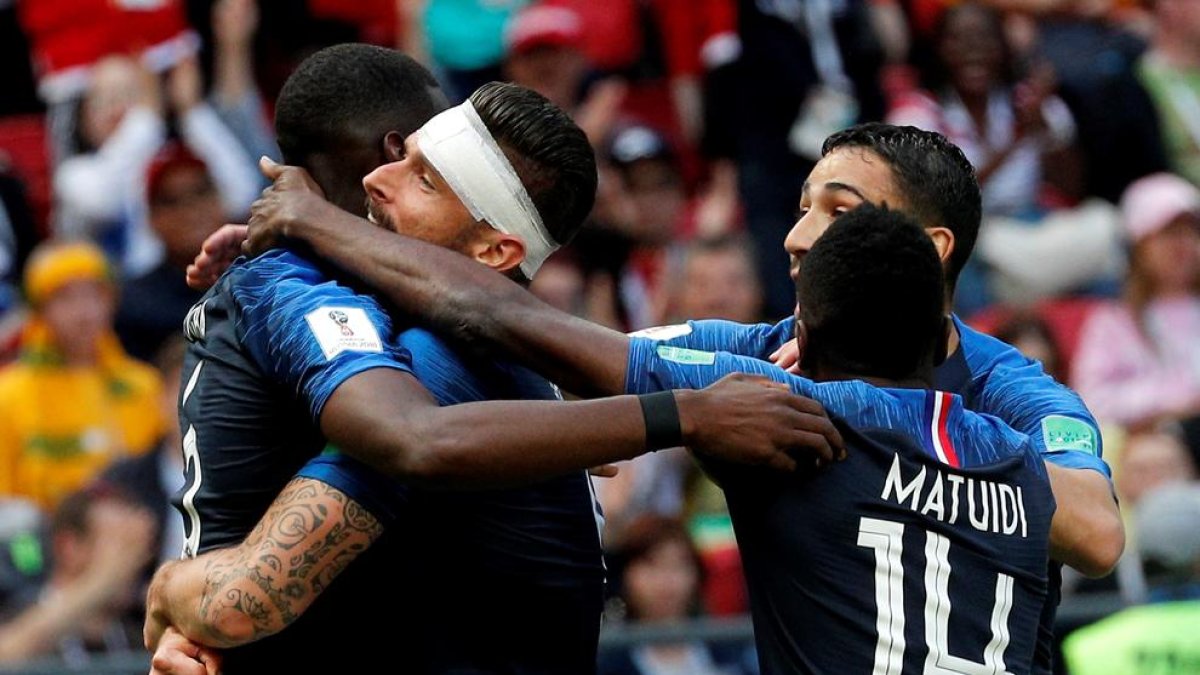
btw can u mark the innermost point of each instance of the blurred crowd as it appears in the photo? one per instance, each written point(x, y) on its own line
point(130, 130)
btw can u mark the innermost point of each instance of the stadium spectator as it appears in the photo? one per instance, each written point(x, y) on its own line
point(1034, 339)
point(660, 582)
point(235, 96)
point(1093, 56)
point(1159, 637)
point(716, 279)
point(545, 53)
point(650, 178)
point(70, 39)
point(18, 235)
point(465, 41)
point(1148, 460)
point(1003, 123)
point(1020, 138)
point(803, 70)
point(74, 401)
point(1168, 71)
point(153, 478)
point(1139, 360)
point(184, 208)
point(99, 543)
point(563, 284)
point(100, 192)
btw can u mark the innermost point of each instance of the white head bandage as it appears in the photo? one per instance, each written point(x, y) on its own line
point(458, 145)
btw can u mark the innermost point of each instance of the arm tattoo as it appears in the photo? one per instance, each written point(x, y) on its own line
point(310, 534)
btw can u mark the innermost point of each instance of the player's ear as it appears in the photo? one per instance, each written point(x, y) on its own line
point(499, 251)
point(943, 241)
point(393, 146)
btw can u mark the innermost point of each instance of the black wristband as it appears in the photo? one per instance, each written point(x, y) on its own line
point(662, 420)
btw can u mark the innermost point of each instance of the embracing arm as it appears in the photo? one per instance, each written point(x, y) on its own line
point(1087, 532)
point(457, 296)
point(386, 419)
point(236, 595)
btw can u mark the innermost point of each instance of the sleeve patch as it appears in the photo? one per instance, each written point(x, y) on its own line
point(1060, 432)
point(691, 357)
point(664, 332)
point(343, 329)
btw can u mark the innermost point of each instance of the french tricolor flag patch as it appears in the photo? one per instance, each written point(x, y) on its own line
point(936, 435)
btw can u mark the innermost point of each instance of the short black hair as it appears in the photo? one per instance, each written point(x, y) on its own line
point(871, 294)
point(934, 175)
point(549, 152)
point(352, 95)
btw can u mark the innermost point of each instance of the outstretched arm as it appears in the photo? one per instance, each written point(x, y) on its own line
point(385, 418)
point(459, 297)
point(233, 596)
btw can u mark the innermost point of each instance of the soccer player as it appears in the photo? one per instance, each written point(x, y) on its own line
point(832, 564)
point(913, 171)
point(939, 519)
point(283, 357)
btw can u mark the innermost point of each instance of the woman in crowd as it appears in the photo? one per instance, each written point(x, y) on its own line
point(661, 583)
point(1139, 360)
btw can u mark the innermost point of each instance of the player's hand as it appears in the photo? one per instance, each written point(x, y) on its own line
point(788, 356)
point(216, 255)
point(177, 655)
point(752, 420)
point(294, 199)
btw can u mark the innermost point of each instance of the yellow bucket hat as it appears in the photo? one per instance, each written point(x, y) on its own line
point(55, 265)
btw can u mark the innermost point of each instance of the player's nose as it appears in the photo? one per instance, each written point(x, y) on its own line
point(799, 240)
point(376, 184)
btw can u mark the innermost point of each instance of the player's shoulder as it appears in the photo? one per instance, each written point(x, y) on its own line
point(985, 353)
point(263, 273)
point(939, 420)
point(279, 279)
point(983, 439)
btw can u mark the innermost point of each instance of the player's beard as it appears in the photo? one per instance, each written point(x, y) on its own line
point(379, 217)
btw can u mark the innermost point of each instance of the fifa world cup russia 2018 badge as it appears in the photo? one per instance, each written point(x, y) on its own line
point(339, 317)
point(343, 329)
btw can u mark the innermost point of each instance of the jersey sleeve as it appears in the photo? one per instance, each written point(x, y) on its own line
point(382, 497)
point(657, 366)
point(1017, 390)
point(309, 333)
point(756, 340)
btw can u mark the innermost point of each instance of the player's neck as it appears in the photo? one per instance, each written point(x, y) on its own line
point(923, 379)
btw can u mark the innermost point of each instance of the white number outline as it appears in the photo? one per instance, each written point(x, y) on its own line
point(191, 460)
point(886, 538)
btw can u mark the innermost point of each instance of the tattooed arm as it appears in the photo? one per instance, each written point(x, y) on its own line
point(237, 595)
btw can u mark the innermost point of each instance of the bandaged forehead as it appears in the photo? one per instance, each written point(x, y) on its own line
point(458, 145)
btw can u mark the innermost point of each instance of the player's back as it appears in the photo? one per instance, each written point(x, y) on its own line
point(248, 428)
point(506, 580)
point(923, 552)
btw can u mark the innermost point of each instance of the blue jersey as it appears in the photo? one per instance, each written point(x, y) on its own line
point(503, 581)
point(926, 548)
point(992, 377)
point(268, 345)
